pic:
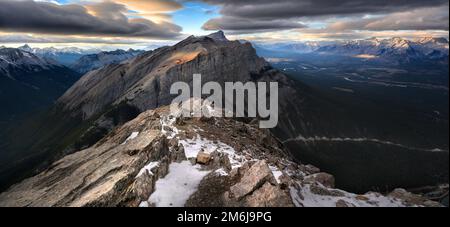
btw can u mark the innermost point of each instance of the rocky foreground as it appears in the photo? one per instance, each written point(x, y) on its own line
point(159, 159)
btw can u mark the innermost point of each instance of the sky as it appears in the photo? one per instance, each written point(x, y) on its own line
point(144, 24)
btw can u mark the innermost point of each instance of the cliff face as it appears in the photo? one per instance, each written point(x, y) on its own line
point(163, 159)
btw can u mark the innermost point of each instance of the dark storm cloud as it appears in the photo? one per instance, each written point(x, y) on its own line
point(109, 19)
point(420, 19)
point(232, 23)
point(285, 11)
point(270, 9)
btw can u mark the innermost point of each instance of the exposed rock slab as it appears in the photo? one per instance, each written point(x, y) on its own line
point(97, 176)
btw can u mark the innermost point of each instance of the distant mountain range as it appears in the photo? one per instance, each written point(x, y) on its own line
point(406, 50)
point(65, 56)
point(81, 60)
point(29, 82)
point(397, 49)
point(95, 61)
point(301, 47)
point(33, 78)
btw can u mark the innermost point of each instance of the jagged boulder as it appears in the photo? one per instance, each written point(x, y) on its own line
point(325, 179)
point(255, 177)
point(269, 196)
point(257, 187)
point(203, 158)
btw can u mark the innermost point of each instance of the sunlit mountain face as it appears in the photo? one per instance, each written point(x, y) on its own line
point(85, 93)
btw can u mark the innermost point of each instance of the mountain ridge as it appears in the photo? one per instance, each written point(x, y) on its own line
point(65, 56)
point(95, 61)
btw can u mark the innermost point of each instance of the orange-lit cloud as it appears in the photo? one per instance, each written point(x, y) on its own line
point(155, 10)
point(105, 18)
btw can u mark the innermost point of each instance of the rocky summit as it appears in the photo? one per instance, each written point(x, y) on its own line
point(164, 159)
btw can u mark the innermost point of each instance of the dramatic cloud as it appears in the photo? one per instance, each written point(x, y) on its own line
point(238, 24)
point(269, 9)
point(103, 18)
point(26, 38)
point(152, 6)
point(155, 10)
point(267, 14)
point(123, 21)
point(419, 19)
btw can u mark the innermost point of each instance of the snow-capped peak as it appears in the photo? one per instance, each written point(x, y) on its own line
point(21, 58)
point(375, 41)
point(398, 42)
point(427, 40)
point(393, 48)
point(26, 47)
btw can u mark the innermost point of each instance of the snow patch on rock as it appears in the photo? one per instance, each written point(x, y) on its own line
point(167, 126)
point(276, 173)
point(193, 146)
point(176, 188)
point(148, 168)
point(221, 172)
point(131, 137)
